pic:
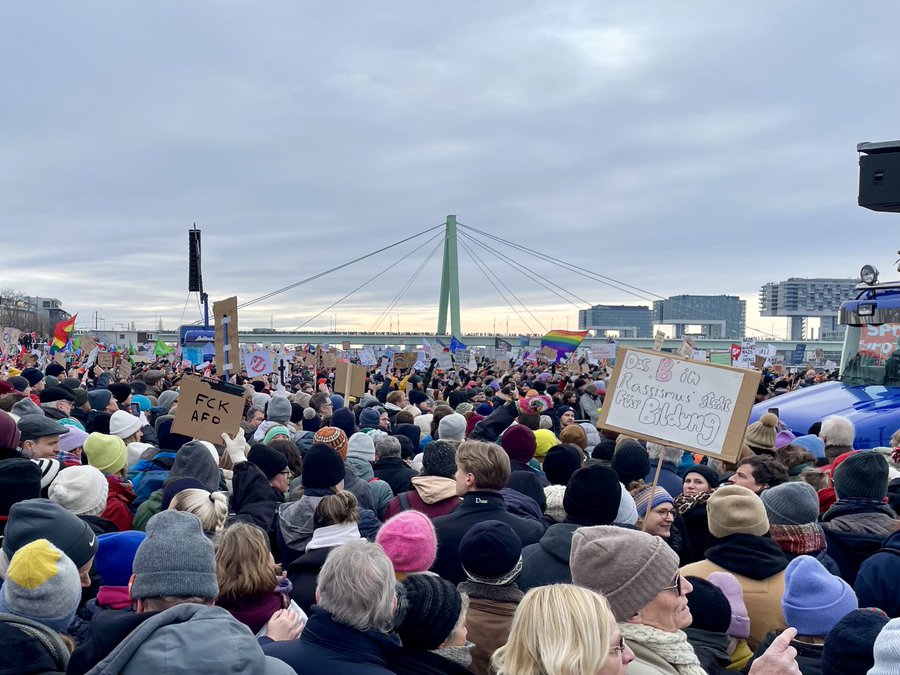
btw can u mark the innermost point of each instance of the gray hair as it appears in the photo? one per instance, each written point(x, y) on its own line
point(387, 446)
point(253, 410)
point(837, 430)
point(546, 422)
point(669, 454)
point(357, 586)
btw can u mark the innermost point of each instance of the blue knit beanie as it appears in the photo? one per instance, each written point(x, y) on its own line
point(814, 600)
point(812, 444)
point(116, 556)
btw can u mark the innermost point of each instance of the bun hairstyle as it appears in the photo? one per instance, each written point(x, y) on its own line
point(336, 509)
point(210, 507)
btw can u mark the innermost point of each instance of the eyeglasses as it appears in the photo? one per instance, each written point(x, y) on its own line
point(665, 513)
point(286, 472)
point(676, 587)
point(619, 649)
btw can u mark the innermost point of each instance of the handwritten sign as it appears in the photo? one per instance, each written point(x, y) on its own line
point(106, 360)
point(404, 360)
point(695, 406)
point(606, 351)
point(350, 379)
point(206, 410)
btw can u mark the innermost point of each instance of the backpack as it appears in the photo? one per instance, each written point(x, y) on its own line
point(149, 475)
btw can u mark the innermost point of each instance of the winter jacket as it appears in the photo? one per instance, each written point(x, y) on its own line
point(326, 646)
point(492, 427)
point(476, 507)
point(30, 647)
point(147, 510)
point(422, 662)
point(523, 506)
point(758, 565)
point(118, 503)
point(359, 488)
point(253, 500)
point(149, 475)
point(696, 530)
point(435, 496)
point(255, 611)
point(100, 525)
point(190, 638)
point(668, 478)
point(295, 524)
point(589, 405)
point(381, 491)
point(526, 480)
point(107, 630)
point(488, 620)
point(711, 649)
point(304, 573)
point(547, 561)
point(878, 581)
point(854, 532)
point(395, 472)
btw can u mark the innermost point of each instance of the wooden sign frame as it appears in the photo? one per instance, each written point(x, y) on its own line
point(228, 355)
point(737, 425)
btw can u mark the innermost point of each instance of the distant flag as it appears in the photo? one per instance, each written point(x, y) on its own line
point(62, 332)
point(161, 348)
point(502, 344)
point(455, 344)
point(563, 341)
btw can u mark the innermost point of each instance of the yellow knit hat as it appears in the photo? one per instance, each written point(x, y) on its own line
point(544, 440)
point(106, 452)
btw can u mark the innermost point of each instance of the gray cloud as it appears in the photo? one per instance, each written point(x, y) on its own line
point(679, 147)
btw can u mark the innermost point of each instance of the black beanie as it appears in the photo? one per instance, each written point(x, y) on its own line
point(631, 461)
point(604, 450)
point(407, 450)
point(416, 397)
point(120, 391)
point(296, 413)
point(345, 420)
point(708, 473)
point(54, 369)
point(269, 460)
point(709, 606)
point(491, 553)
point(849, 646)
point(560, 462)
point(322, 467)
point(592, 496)
point(20, 479)
point(429, 611)
point(311, 420)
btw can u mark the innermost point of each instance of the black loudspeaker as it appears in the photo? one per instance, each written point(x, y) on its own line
point(195, 277)
point(879, 176)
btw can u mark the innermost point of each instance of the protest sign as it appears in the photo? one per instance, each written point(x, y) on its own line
point(444, 361)
point(548, 353)
point(658, 340)
point(125, 370)
point(686, 350)
point(329, 359)
point(228, 357)
point(699, 407)
point(106, 360)
point(345, 345)
point(606, 351)
point(258, 362)
point(404, 360)
point(350, 379)
point(207, 409)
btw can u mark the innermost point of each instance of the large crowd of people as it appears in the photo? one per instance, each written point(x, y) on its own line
point(468, 521)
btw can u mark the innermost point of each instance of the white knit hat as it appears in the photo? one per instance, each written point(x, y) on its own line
point(123, 424)
point(83, 490)
point(887, 649)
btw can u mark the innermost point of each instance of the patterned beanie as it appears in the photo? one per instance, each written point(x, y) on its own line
point(42, 584)
point(333, 437)
point(649, 498)
point(429, 609)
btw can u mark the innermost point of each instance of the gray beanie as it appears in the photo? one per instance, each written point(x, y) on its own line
point(629, 567)
point(194, 460)
point(167, 399)
point(791, 504)
point(279, 409)
point(452, 428)
point(863, 475)
point(176, 559)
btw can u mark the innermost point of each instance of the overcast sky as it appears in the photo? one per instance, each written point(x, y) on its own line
point(680, 147)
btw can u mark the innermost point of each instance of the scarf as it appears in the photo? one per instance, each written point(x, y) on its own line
point(673, 648)
point(684, 503)
point(806, 539)
point(333, 535)
point(461, 655)
point(748, 555)
point(473, 589)
point(846, 507)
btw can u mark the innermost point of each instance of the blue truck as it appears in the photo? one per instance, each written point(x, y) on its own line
point(868, 390)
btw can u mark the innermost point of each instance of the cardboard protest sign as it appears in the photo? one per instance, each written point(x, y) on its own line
point(207, 409)
point(106, 360)
point(350, 379)
point(228, 356)
point(686, 350)
point(699, 407)
point(125, 370)
point(404, 360)
point(329, 359)
point(345, 345)
point(444, 361)
point(548, 353)
point(658, 340)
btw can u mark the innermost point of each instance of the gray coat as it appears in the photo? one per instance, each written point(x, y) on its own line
point(190, 638)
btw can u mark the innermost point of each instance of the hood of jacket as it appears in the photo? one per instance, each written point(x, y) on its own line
point(748, 555)
point(190, 638)
point(296, 519)
point(362, 468)
point(434, 489)
point(557, 541)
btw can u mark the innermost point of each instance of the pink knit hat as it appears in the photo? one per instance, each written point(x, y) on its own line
point(409, 541)
point(731, 587)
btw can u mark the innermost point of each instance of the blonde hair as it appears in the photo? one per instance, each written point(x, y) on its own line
point(243, 562)
point(210, 507)
point(559, 629)
point(336, 510)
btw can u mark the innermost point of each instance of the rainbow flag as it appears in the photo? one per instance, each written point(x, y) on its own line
point(563, 341)
point(62, 332)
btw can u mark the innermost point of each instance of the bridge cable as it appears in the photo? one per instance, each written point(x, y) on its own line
point(405, 287)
